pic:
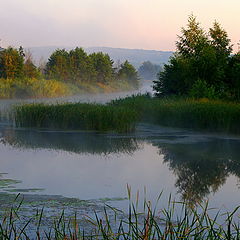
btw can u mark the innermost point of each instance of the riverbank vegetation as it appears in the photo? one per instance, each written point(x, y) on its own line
point(198, 89)
point(176, 221)
point(65, 73)
point(34, 88)
point(197, 114)
point(203, 66)
point(123, 114)
point(76, 116)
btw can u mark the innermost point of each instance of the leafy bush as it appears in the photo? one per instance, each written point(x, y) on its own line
point(201, 89)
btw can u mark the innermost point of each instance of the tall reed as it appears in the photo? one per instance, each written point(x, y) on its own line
point(200, 114)
point(76, 116)
point(122, 115)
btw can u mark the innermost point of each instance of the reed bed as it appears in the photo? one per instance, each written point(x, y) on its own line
point(76, 116)
point(150, 224)
point(202, 114)
point(123, 114)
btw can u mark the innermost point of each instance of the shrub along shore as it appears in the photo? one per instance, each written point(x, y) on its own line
point(122, 115)
point(42, 88)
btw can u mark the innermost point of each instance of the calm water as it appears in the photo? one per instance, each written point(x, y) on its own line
point(91, 165)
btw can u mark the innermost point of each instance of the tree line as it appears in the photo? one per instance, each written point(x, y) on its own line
point(16, 64)
point(203, 65)
point(74, 66)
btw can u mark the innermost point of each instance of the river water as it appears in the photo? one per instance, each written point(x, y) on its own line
point(93, 166)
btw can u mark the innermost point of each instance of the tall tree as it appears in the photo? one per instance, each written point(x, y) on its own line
point(219, 40)
point(58, 65)
point(103, 66)
point(81, 66)
point(200, 57)
point(192, 40)
point(129, 73)
point(29, 69)
point(11, 63)
point(223, 48)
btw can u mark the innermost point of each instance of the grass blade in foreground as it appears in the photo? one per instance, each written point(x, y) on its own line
point(188, 222)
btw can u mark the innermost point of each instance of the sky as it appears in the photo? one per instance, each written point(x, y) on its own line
point(141, 24)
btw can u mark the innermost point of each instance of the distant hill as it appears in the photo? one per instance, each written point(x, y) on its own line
point(135, 56)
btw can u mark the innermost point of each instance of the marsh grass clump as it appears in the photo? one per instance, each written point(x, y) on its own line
point(82, 116)
point(201, 114)
point(198, 114)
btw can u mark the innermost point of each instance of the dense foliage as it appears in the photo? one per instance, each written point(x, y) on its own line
point(66, 72)
point(76, 66)
point(129, 73)
point(203, 65)
point(11, 63)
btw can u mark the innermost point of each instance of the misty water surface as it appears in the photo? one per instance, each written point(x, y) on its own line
point(93, 165)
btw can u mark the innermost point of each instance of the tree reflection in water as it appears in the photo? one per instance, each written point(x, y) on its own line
point(200, 167)
point(203, 167)
point(72, 141)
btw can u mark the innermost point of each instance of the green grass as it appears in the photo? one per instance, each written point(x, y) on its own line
point(122, 115)
point(203, 114)
point(198, 222)
point(76, 116)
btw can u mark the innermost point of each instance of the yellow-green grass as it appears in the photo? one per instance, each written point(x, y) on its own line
point(33, 88)
point(42, 88)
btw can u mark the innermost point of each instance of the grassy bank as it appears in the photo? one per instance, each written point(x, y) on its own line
point(199, 223)
point(42, 88)
point(76, 116)
point(122, 114)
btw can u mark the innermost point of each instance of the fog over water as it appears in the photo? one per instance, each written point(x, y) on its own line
point(146, 87)
point(92, 165)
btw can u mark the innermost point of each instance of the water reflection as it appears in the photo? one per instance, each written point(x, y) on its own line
point(200, 165)
point(203, 167)
point(75, 141)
